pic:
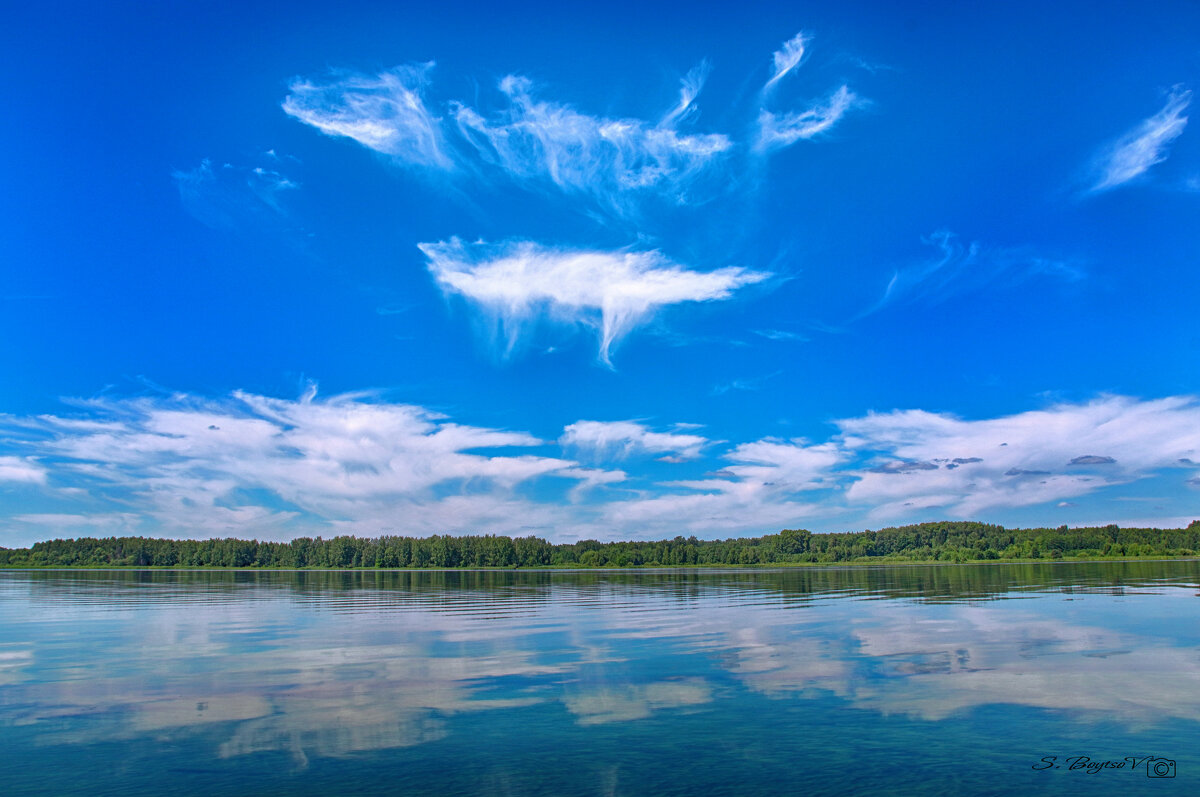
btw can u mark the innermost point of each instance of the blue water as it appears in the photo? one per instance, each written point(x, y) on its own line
point(901, 680)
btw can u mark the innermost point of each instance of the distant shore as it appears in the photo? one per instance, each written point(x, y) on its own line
point(951, 542)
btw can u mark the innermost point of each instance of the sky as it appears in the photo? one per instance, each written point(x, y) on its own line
point(625, 272)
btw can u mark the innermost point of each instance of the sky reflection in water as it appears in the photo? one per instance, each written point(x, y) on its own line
point(597, 683)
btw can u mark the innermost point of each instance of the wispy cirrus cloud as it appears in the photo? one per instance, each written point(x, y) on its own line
point(520, 283)
point(384, 112)
point(621, 439)
point(778, 130)
point(535, 141)
point(787, 58)
point(229, 196)
point(745, 383)
point(689, 89)
point(1146, 145)
point(619, 163)
point(966, 267)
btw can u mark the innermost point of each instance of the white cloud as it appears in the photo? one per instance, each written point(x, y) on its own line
point(1144, 146)
point(535, 140)
point(531, 141)
point(620, 164)
point(756, 493)
point(614, 292)
point(689, 90)
point(781, 130)
point(787, 57)
point(608, 439)
point(21, 469)
point(385, 113)
point(255, 465)
point(102, 523)
point(967, 467)
point(772, 465)
point(780, 334)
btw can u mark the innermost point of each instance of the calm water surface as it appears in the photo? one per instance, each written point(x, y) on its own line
point(901, 680)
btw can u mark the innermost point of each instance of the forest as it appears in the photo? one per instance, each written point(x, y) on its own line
point(925, 542)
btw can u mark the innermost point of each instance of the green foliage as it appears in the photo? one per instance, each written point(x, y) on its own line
point(925, 542)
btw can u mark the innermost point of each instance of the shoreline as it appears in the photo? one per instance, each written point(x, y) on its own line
point(766, 566)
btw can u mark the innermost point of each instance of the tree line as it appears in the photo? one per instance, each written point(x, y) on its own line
point(924, 542)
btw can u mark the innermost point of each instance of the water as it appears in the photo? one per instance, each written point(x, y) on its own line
point(890, 680)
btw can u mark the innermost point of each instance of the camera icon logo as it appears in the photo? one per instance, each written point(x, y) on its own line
point(1160, 768)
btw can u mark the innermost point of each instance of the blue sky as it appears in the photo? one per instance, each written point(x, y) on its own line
point(628, 272)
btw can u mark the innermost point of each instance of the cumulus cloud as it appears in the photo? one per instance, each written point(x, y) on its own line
point(250, 464)
point(780, 130)
point(518, 283)
point(1020, 460)
point(757, 492)
point(1146, 145)
point(255, 466)
point(385, 113)
point(619, 439)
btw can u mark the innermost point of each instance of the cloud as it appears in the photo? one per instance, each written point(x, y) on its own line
point(787, 58)
point(385, 113)
point(619, 439)
point(781, 130)
point(1024, 459)
point(961, 268)
point(1146, 145)
point(780, 334)
point(535, 141)
point(21, 470)
point(229, 196)
point(747, 384)
point(620, 164)
point(1092, 459)
point(58, 523)
point(757, 492)
point(254, 465)
point(518, 283)
point(532, 141)
point(902, 467)
point(689, 90)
